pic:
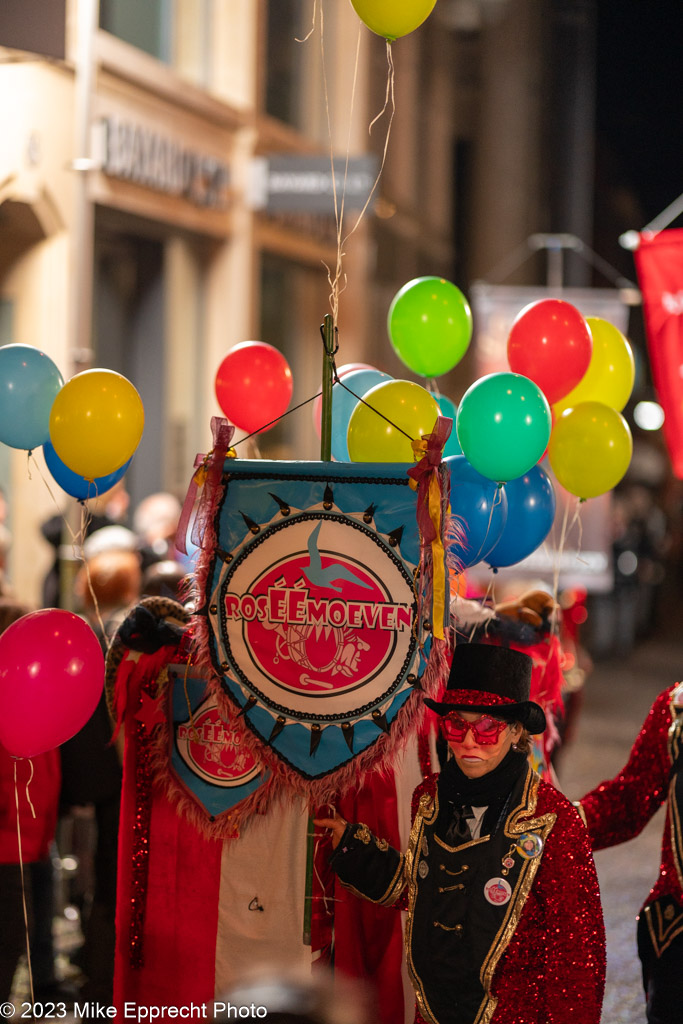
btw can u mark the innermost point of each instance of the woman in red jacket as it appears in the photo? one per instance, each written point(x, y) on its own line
point(37, 834)
point(504, 917)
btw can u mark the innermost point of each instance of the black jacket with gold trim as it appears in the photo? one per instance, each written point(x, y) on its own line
point(506, 928)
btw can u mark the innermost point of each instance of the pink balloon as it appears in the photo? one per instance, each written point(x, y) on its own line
point(51, 678)
point(341, 372)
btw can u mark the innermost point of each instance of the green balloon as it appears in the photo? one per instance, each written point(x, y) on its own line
point(503, 425)
point(430, 325)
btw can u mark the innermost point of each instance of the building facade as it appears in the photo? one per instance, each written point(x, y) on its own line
point(142, 231)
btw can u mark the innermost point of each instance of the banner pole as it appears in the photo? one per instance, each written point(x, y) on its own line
point(327, 330)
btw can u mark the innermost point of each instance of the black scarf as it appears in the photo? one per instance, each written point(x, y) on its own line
point(458, 794)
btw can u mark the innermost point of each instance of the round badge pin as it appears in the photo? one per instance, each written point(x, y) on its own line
point(529, 845)
point(423, 869)
point(508, 863)
point(497, 891)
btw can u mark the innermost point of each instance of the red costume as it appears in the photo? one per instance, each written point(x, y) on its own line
point(538, 957)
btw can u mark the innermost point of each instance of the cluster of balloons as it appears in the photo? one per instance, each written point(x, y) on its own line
point(51, 679)
point(586, 369)
point(88, 427)
point(569, 378)
point(254, 386)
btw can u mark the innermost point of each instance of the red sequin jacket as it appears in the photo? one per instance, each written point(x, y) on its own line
point(618, 809)
point(546, 963)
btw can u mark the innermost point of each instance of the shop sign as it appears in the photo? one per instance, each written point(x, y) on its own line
point(306, 184)
point(146, 157)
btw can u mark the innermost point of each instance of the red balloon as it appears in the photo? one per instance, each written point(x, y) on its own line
point(254, 386)
point(318, 401)
point(551, 343)
point(51, 678)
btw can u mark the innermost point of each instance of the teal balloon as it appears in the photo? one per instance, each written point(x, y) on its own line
point(29, 382)
point(503, 425)
point(344, 402)
point(450, 409)
point(480, 508)
point(430, 325)
point(531, 512)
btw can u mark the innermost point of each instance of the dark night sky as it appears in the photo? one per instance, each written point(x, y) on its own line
point(640, 97)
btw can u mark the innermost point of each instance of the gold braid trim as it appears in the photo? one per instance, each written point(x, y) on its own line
point(427, 811)
point(674, 743)
point(662, 931)
point(392, 892)
point(515, 826)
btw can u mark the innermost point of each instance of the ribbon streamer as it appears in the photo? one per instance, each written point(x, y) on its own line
point(427, 477)
point(207, 475)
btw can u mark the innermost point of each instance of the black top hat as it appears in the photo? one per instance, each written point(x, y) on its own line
point(497, 680)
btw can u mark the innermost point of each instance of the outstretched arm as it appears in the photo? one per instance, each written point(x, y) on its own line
point(619, 808)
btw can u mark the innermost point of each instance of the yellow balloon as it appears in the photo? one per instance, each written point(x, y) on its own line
point(393, 18)
point(96, 422)
point(590, 449)
point(373, 434)
point(611, 371)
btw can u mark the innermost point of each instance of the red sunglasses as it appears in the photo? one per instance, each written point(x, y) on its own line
point(485, 730)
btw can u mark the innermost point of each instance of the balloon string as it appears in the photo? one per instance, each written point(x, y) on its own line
point(389, 96)
point(559, 552)
point(23, 883)
point(312, 28)
point(498, 500)
point(28, 783)
point(85, 520)
point(487, 595)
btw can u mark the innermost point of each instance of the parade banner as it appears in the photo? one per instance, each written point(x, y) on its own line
point(200, 897)
point(659, 266)
point(310, 613)
point(205, 752)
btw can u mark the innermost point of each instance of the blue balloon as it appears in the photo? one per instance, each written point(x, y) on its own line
point(29, 382)
point(448, 408)
point(480, 505)
point(343, 404)
point(531, 511)
point(74, 484)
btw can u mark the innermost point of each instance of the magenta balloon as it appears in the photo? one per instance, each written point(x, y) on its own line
point(51, 679)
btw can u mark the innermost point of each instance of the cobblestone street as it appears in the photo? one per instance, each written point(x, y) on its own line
point(618, 695)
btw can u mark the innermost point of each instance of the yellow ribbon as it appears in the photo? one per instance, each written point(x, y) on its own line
point(438, 559)
point(420, 448)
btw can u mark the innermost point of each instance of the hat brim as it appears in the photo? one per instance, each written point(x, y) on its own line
point(528, 712)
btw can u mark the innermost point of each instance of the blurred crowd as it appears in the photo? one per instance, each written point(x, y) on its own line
point(67, 870)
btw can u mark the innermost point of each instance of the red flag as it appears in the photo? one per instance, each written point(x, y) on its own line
point(659, 265)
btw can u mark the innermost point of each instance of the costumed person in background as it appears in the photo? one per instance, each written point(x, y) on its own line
point(504, 916)
point(37, 836)
point(617, 810)
point(155, 522)
point(106, 586)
